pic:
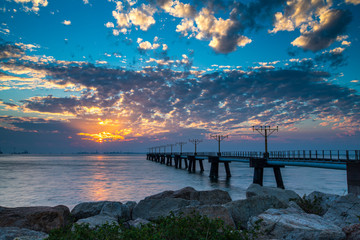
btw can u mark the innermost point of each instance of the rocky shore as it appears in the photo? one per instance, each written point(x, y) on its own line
point(283, 213)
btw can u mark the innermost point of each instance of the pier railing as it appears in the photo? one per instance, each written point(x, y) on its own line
point(319, 155)
point(348, 160)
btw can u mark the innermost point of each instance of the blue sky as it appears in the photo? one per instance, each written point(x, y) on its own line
point(127, 75)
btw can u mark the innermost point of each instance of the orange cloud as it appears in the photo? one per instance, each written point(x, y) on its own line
point(102, 137)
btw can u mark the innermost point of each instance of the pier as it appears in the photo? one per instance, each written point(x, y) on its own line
point(348, 160)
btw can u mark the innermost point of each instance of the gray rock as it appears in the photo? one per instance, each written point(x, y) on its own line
point(98, 220)
point(216, 196)
point(87, 209)
point(344, 210)
point(7, 233)
point(242, 210)
point(165, 194)
point(211, 211)
point(204, 197)
point(352, 232)
point(42, 219)
point(325, 199)
point(116, 210)
point(283, 195)
point(137, 223)
point(151, 209)
point(131, 205)
point(291, 223)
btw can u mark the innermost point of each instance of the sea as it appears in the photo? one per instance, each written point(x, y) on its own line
point(50, 180)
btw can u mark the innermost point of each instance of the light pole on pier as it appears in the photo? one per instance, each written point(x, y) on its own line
point(266, 131)
point(195, 142)
point(181, 145)
point(171, 147)
point(219, 138)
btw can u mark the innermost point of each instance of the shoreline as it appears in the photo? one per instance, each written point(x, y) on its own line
point(265, 203)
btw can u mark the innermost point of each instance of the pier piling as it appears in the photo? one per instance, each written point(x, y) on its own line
point(353, 177)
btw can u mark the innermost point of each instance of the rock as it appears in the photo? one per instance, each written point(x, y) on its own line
point(211, 211)
point(325, 199)
point(42, 219)
point(216, 196)
point(87, 209)
point(352, 232)
point(151, 209)
point(184, 193)
point(137, 223)
point(242, 210)
point(291, 223)
point(117, 210)
point(131, 205)
point(161, 195)
point(7, 233)
point(344, 210)
point(283, 195)
point(98, 220)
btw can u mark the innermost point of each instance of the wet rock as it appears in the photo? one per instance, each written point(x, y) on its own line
point(131, 205)
point(216, 196)
point(211, 211)
point(283, 195)
point(98, 220)
point(87, 209)
point(117, 210)
point(242, 210)
point(352, 232)
point(137, 223)
point(152, 209)
point(42, 219)
point(7, 233)
point(325, 200)
point(344, 211)
point(291, 223)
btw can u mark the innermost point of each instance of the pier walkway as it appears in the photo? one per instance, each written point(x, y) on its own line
point(348, 160)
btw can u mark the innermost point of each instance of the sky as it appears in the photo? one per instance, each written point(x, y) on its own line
point(110, 76)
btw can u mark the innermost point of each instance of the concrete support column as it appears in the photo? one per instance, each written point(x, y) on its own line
point(353, 177)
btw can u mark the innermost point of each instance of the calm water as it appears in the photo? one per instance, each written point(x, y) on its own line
point(33, 180)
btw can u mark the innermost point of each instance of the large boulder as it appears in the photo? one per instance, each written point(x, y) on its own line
point(325, 200)
point(117, 210)
point(344, 211)
point(352, 232)
point(98, 220)
point(131, 205)
point(151, 209)
point(216, 196)
point(211, 211)
point(7, 233)
point(283, 195)
point(292, 223)
point(137, 223)
point(42, 219)
point(87, 209)
point(242, 210)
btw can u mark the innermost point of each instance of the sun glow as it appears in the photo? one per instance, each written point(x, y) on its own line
point(102, 137)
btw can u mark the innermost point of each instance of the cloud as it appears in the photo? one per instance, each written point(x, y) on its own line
point(109, 25)
point(36, 4)
point(25, 47)
point(156, 100)
point(66, 22)
point(4, 29)
point(332, 23)
point(141, 17)
point(146, 45)
point(334, 57)
point(179, 9)
point(320, 24)
point(355, 2)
